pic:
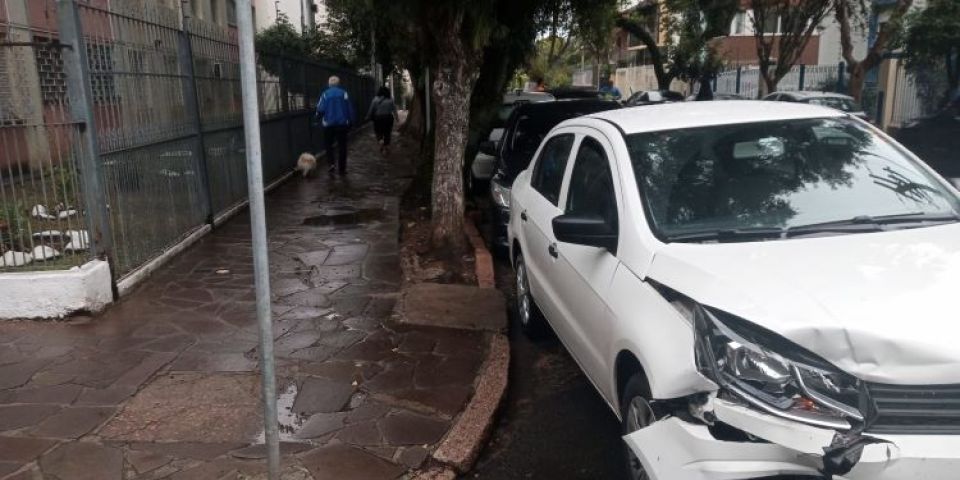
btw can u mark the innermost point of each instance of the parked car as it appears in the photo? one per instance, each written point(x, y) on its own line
point(653, 97)
point(484, 165)
point(759, 291)
point(524, 130)
point(575, 93)
point(838, 101)
point(718, 96)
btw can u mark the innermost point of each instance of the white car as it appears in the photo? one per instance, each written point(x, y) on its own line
point(755, 288)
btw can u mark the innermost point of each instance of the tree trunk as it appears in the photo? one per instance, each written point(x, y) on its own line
point(767, 84)
point(457, 71)
point(858, 76)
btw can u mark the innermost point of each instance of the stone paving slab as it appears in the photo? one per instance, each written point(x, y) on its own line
point(164, 384)
point(454, 306)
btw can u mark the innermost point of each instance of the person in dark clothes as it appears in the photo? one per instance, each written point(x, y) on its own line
point(383, 112)
point(335, 112)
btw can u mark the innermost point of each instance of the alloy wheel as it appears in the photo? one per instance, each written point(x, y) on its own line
point(639, 415)
point(523, 295)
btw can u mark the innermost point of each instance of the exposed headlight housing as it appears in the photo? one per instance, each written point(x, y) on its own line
point(500, 193)
point(773, 374)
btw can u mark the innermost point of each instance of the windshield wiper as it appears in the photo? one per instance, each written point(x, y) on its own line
point(867, 223)
point(728, 234)
point(917, 217)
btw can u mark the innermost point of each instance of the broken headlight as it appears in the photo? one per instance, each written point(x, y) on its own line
point(773, 374)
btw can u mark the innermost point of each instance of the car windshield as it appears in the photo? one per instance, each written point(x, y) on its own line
point(842, 104)
point(779, 175)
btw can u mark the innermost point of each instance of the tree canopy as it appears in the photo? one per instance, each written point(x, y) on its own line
point(932, 39)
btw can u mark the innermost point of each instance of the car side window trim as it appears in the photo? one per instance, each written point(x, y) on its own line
point(604, 140)
point(594, 142)
point(553, 190)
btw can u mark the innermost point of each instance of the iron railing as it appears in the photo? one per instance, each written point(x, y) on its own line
point(164, 103)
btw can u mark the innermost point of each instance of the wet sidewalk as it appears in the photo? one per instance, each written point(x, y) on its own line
point(164, 384)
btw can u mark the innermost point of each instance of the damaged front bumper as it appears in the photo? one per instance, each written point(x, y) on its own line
point(677, 449)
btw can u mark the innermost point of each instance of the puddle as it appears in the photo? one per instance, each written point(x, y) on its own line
point(345, 217)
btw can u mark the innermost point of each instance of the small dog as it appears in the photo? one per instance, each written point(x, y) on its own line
point(306, 164)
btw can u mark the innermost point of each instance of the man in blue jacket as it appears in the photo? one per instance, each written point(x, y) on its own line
point(335, 111)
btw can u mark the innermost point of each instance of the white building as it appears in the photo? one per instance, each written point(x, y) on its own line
point(297, 11)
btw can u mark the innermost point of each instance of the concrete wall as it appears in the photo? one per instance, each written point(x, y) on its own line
point(55, 294)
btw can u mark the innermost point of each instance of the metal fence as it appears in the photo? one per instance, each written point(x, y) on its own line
point(745, 81)
point(167, 137)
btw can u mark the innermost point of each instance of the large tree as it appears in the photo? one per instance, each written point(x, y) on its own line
point(932, 39)
point(644, 23)
point(852, 16)
point(689, 27)
point(779, 49)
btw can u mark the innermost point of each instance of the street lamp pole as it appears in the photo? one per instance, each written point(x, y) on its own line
point(258, 227)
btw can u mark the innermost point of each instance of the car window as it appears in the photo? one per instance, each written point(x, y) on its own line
point(550, 167)
point(779, 174)
point(591, 184)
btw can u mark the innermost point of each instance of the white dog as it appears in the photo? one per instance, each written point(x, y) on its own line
point(306, 164)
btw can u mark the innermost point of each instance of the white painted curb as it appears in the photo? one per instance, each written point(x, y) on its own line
point(55, 294)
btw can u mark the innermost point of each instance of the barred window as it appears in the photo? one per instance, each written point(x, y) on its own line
point(53, 80)
point(6, 93)
point(232, 12)
point(102, 73)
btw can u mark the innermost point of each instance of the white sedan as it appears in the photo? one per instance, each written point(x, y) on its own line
point(755, 288)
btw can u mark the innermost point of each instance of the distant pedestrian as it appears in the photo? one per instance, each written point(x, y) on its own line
point(610, 91)
point(336, 114)
point(383, 112)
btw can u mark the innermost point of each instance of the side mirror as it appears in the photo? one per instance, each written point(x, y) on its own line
point(591, 231)
point(495, 135)
point(488, 148)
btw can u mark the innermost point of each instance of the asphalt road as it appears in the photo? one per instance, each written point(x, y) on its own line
point(553, 424)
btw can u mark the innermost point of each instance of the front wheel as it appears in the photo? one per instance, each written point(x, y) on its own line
point(636, 413)
point(531, 320)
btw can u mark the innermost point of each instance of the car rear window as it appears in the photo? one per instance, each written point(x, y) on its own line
point(535, 123)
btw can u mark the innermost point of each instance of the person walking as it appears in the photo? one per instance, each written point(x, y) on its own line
point(335, 112)
point(383, 112)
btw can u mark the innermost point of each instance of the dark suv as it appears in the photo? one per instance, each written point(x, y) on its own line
point(524, 130)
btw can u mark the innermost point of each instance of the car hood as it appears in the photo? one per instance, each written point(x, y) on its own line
point(881, 306)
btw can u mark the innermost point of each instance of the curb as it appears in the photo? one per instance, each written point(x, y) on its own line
point(483, 260)
point(462, 444)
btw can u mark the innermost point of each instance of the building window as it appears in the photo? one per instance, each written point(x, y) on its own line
point(739, 23)
point(231, 12)
point(53, 80)
point(215, 11)
point(771, 24)
point(102, 73)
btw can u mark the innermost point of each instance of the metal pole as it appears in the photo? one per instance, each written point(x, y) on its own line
point(80, 93)
point(426, 76)
point(258, 227)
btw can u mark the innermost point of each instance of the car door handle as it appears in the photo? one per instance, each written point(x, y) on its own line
point(552, 249)
point(523, 215)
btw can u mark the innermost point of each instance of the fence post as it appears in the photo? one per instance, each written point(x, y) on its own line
point(191, 99)
point(840, 73)
point(285, 80)
point(76, 68)
point(739, 72)
point(803, 76)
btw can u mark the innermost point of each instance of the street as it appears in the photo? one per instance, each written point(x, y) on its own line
point(553, 423)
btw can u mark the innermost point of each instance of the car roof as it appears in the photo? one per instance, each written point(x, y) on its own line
point(809, 94)
point(533, 97)
point(565, 105)
point(672, 116)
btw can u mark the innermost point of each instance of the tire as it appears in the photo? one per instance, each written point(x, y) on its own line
point(529, 315)
point(635, 413)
